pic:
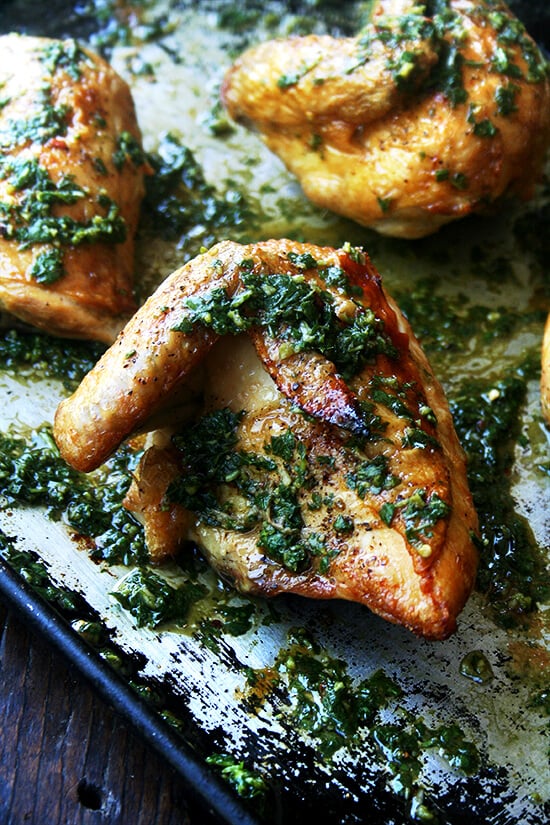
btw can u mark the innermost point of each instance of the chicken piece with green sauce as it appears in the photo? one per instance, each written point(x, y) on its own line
point(299, 436)
point(433, 111)
point(71, 184)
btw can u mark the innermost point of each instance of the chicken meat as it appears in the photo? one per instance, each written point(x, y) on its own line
point(299, 437)
point(71, 184)
point(432, 112)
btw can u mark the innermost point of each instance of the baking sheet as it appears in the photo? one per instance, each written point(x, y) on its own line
point(50, 625)
point(202, 685)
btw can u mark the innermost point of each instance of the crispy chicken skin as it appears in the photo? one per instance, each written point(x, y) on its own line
point(362, 498)
point(416, 122)
point(71, 184)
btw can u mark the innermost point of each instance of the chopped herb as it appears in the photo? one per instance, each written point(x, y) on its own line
point(246, 783)
point(505, 98)
point(48, 266)
point(450, 741)
point(387, 512)
point(152, 601)
point(128, 148)
point(459, 180)
point(482, 128)
point(99, 166)
point(338, 277)
point(502, 61)
point(392, 402)
point(447, 76)
point(30, 218)
point(303, 260)
point(420, 514)
point(44, 122)
point(286, 81)
point(296, 312)
point(485, 128)
point(356, 253)
point(66, 55)
point(343, 524)
point(237, 619)
point(316, 142)
point(415, 438)
point(178, 196)
point(372, 476)
point(404, 68)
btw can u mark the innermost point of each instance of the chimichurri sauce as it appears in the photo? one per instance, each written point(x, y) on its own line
point(338, 712)
point(33, 473)
point(513, 571)
point(35, 354)
point(179, 199)
point(487, 414)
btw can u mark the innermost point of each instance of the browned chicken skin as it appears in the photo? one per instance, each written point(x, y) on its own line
point(415, 122)
point(282, 494)
point(71, 184)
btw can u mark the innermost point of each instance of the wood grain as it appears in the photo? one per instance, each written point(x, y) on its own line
point(66, 758)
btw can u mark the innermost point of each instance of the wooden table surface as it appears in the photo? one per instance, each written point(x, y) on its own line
point(66, 758)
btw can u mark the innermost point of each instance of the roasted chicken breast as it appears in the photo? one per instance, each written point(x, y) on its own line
point(71, 184)
point(317, 454)
point(434, 111)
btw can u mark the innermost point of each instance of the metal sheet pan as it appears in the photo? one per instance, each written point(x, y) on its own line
point(50, 625)
point(201, 685)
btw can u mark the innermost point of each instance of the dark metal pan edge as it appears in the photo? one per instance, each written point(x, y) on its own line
point(40, 617)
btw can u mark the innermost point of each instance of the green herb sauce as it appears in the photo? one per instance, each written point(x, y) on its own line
point(486, 414)
point(45, 122)
point(338, 712)
point(512, 571)
point(178, 198)
point(31, 220)
point(66, 55)
point(36, 355)
point(247, 783)
point(265, 486)
point(475, 666)
point(321, 698)
point(297, 312)
point(152, 601)
point(34, 572)
point(33, 472)
point(128, 148)
point(30, 217)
